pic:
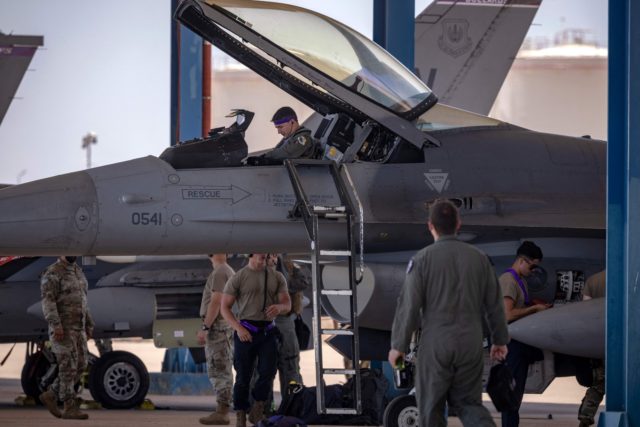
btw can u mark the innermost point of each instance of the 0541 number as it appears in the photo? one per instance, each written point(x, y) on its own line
point(146, 218)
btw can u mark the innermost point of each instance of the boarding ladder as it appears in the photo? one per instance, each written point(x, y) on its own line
point(313, 216)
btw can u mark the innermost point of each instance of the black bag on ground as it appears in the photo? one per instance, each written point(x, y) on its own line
point(501, 388)
point(300, 401)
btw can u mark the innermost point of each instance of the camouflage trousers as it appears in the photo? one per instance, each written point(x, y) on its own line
point(219, 351)
point(71, 356)
point(594, 394)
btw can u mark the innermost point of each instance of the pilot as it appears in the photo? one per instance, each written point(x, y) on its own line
point(261, 294)
point(517, 305)
point(217, 337)
point(449, 290)
point(64, 304)
point(296, 142)
point(594, 288)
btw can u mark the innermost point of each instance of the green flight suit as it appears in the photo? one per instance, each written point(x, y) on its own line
point(300, 145)
point(449, 288)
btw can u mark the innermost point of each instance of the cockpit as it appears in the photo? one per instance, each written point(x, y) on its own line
point(369, 107)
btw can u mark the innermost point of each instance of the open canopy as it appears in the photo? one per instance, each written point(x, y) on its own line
point(320, 61)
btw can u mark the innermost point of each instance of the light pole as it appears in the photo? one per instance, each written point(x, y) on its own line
point(87, 140)
point(22, 173)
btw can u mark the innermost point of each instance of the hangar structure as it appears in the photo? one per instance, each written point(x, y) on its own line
point(623, 214)
point(393, 29)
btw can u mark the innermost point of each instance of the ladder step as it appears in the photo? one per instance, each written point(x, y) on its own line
point(334, 215)
point(345, 292)
point(334, 253)
point(337, 332)
point(346, 411)
point(323, 209)
point(338, 371)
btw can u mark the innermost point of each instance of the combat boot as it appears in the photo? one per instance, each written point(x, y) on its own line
point(49, 399)
point(218, 418)
point(257, 412)
point(241, 419)
point(72, 412)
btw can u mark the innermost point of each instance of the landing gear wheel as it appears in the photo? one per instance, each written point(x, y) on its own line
point(35, 367)
point(119, 380)
point(402, 412)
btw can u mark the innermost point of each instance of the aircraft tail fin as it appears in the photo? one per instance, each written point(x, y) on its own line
point(464, 48)
point(15, 56)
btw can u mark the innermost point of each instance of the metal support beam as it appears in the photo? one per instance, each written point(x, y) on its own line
point(623, 219)
point(186, 82)
point(394, 28)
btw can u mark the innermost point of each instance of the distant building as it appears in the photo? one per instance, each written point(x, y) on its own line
point(561, 88)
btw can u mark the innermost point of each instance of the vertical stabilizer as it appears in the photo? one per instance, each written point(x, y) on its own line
point(464, 48)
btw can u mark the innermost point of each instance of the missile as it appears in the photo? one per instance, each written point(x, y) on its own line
point(576, 329)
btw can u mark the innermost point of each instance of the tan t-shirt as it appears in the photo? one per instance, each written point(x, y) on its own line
point(511, 289)
point(215, 283)
point(247, 286)
point(595, 286)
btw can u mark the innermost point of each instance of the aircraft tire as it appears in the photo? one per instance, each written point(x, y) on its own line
point(119, 380)
point(33, 370)
point(401, 412)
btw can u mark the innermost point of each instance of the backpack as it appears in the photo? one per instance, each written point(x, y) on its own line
point(501, 388)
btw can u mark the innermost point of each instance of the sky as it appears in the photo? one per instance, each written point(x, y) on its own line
point(104, 68)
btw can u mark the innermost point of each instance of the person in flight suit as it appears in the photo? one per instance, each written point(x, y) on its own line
point(517, 305)
point(260, 294)
point(449, 288)
point(289, 348)
point(64, 303)
point(594, 288)
point(296, 142)
point(217, 337)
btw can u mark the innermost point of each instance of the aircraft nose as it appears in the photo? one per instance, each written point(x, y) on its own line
point(53, 216)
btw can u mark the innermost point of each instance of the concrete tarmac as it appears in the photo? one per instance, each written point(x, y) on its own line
point(556, 407)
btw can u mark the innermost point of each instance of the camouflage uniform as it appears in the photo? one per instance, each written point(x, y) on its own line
point(594, 288)
point(64, 304)
point(299, 145)
point(219, 341)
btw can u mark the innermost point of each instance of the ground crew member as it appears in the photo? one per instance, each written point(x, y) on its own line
point(449, 287)
point(594, 288)
point(64, 303)
point(296, 142)
point(517, 304)
point(260, 294)
point(217, 337)
point(289, 348)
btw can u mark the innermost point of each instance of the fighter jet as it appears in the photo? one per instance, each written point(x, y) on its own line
point(395, 149)
point(15, 55)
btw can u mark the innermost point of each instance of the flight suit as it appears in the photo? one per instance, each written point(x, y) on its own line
point(64, 303)
point(450, 286)
point(299, 145)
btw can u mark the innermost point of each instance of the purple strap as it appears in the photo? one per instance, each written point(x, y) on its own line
point(521, 284)
point(254, 329)
point(283, 120)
